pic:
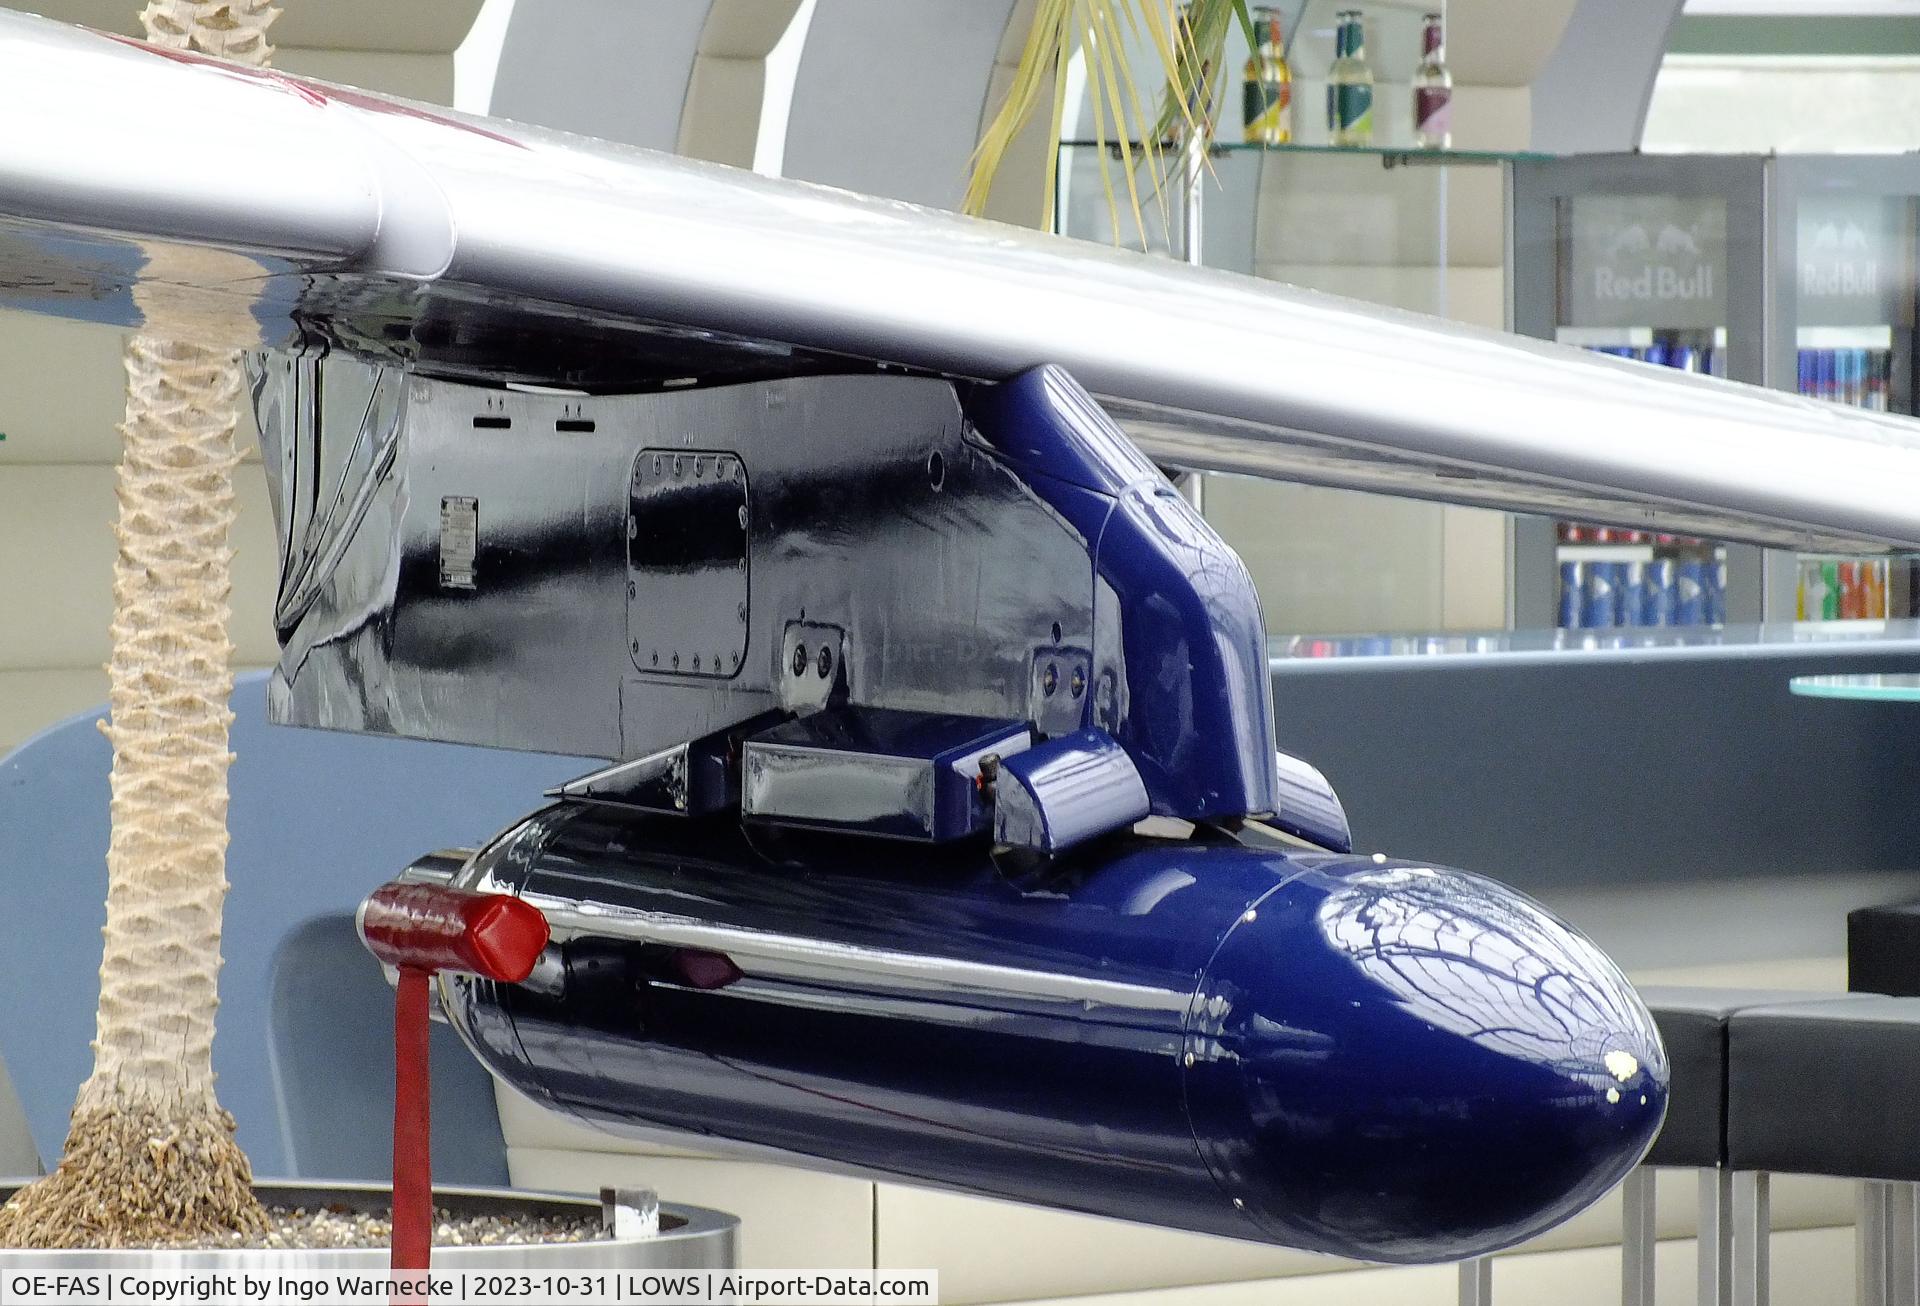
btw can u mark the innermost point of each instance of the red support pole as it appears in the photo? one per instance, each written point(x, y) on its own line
point(419, 930)
point(412, 1126)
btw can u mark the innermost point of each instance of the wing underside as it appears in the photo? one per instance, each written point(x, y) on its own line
point(486, 252)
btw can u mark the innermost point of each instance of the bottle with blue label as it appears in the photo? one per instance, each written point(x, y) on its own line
point(1350, 84)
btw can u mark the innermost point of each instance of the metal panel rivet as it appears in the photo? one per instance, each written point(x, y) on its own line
point(799, 659)
point(699, 468)
point(696, 661)
point(676, 464)
point(1079, 682)
point(633, 528)
point(636, 648)
point(826, 662)
point(741, 611)
point(676, 661)
point(633, 590)
point(742, 514)
point(1050, 679)
point(1189, 1058)
point(656, 657)
point(656, 464)
point(1250, 917)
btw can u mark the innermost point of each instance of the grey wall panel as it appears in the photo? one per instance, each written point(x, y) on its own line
point(1591, 96)
point(889, 96)
point(318, 820)
point(608, 68)
point(1595, 770)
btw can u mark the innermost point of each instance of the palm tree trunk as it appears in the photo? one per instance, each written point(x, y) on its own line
point(150, 1156)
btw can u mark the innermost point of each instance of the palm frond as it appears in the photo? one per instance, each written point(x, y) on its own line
point(1186, 50)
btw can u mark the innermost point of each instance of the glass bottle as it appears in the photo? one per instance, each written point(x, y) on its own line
point(1433, 90)
point(1350, 84)
point(1267, 94)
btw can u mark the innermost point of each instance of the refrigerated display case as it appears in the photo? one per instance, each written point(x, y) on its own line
point(1795, 273)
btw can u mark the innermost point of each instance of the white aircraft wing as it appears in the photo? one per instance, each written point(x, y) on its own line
point(290, 214)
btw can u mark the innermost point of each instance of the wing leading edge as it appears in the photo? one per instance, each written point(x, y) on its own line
point(484, 251)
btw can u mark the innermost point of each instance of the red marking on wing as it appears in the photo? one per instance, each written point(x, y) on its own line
point(318, 96)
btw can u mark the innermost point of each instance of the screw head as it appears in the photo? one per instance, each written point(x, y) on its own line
point(1050, 679)
point(696, 661)
point(825, 664)
point(1079, 682)
point(799, 659)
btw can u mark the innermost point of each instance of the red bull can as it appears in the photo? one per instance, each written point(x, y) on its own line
point(1598, 606)
point(1656, 607)
point(1690, 594)
point(1572, 591)
point(1630, 589)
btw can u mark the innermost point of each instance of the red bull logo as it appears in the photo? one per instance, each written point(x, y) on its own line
point(1842, 262)
point(1644, 264)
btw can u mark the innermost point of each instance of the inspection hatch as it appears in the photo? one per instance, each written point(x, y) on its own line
point(687, 563)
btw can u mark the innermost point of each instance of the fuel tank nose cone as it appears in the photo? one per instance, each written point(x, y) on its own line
point(1410, 1064)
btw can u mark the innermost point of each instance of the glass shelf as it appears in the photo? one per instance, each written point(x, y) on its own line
point(1882, 688)
point(1638, 643)
point(1389, 155)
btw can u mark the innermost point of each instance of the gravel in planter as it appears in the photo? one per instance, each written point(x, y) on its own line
point(306, 1228)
